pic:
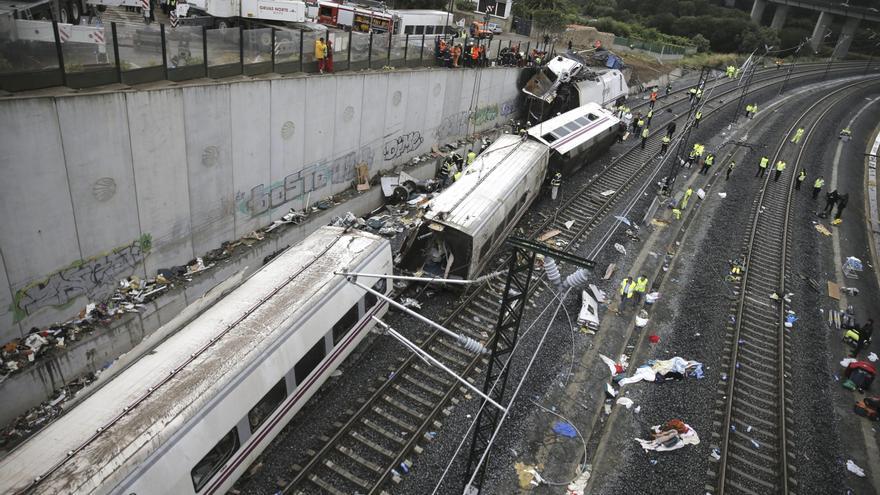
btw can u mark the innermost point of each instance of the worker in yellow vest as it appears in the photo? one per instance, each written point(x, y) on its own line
point(471, 156)
point(762, 166)
point(780, 166)
point(802, 176)
point(798, 134)
point(641, 287)
point(817, 186)
point(686, 198)
point(627, 288)
point(664, 144)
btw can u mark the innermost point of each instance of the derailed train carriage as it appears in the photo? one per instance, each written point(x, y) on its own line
point(465, 223)
point(190, 416)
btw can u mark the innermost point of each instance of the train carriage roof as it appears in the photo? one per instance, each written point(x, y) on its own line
point(116, 451)
point(470, 201)
point(568, 131)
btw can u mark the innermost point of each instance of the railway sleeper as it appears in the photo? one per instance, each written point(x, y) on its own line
point(438, 352)
point(422, 385)
point(432, 376)
point(324, 485)
point(751, 419)
point(411, 396)
point(348, 475)
point(755, 479)
point(371, 444)
point(455, 348)
point(372, 466)
point(390, 435)
point(399, 405)
point(393, 419)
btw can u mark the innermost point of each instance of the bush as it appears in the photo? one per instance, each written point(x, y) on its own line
point(466, 5)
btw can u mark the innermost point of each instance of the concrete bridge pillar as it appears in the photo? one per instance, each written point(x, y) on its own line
point(758, 10)
point(846, 37)
point(825, 20)
point(779, 17)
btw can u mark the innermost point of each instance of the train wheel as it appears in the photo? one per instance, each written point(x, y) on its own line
point(63, 14)
point(75, 12)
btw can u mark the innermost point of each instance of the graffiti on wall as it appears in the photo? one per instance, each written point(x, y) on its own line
point(508, 107)
point(403, 144)
point(452, 125)
point(94, 277)
point(456, 125)
point(485, 114)
point(311, 178)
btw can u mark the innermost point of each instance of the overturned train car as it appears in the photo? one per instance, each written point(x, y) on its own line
point(465, 223)
point(578, 136)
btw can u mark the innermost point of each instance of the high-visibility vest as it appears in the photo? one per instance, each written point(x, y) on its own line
point(692, 91)
point(819, 183)
point(710, 159)
point(645, 133)
point(748, 108)
point(764, 162)
point(650, 113)
point(556, 180)
point(626, 287)
point(641, 285)
point(802, 176)
point(755, 108)
point(666, 140)
point(471, 157)
point(699, 93)
point(798, 133)
point(688, 193)
point(780, 165)
point(641, 123)
point(698, 116)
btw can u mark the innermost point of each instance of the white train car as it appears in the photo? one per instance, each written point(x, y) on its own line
point(578, 136)
point(189, 417)
point(463, 224)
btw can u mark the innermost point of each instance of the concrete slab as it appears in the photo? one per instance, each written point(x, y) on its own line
point(287, 144)
point(251, 164)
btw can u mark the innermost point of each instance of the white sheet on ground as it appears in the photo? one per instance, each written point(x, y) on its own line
point(648, 372)
point(689, 438)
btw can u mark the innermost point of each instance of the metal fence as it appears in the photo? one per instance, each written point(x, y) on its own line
point(659, 48)
point(42, 54)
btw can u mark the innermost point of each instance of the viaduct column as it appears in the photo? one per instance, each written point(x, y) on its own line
point(758, 10)
point(822, 24)
point(779, 17)
point(846, 37)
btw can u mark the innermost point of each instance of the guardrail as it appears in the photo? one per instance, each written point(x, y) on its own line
point(42, 54)
point(659, 48)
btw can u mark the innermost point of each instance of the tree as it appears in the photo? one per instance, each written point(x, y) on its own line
point(700, 42)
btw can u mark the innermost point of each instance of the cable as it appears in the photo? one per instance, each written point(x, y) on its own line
point(556, 483)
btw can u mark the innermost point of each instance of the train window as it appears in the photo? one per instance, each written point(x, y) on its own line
point(344, 325)
point(307, 363)
point(408, 30)
point(583, 121)
point(370, 300)
point(549, 137)
point(214, 460)
point(273, 398)
point(592, 117)
point(325, 11)
point(485, 249)
point(420, 30)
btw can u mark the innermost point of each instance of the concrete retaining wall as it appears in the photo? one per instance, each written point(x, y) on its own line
point(95, 188)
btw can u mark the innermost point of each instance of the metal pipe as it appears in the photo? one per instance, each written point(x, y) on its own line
point(422, 279)
point(432, 361)
point(466, 342)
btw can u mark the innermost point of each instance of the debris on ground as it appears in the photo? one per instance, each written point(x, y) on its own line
point(667, 369)
point(642, 319)
point(651, 298)
point(625, 402)
point(588, 317)
point(854, 468)
point(672, 435)
point(564, 429)
point(620, 249)
point(653, 339)
point(549, 235)
point(615, 367)
point(579, 485)
point(411, 303)
point(609, 272)
point(823, 229)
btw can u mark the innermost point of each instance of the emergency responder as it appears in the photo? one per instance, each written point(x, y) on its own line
point(748, 110)
point(649, 116)
point(845, 134)
point(653, 100)
point(692, 93)
point(830, 200)
point(798, 134)
point(751, 113)
point(645, 134)
point(817, 186)
point(627, 287)
point(686, 198)
point(780, 166)
point(697, 117)
point(730, 167)
point(664, 144)
point(802, 176)
point(555, 182)
point(640, 123)
point(676, 213)
point(707, 163)
point(668, 88)
point(471, 156)
point(842, 200)
point(699, 94)
point(447, 170)
point(730, 71)
point(670, 128)
point(641, 288)
point(762, 166)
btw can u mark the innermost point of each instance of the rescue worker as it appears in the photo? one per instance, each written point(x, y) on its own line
point(730, 167)
point(320, 52)
point(697, 117)
point(668, 88)
point(471, 156)
point(842, 200)
point(670, 128)
point(830, 201)
point(749, 110)
point(649, 116)
point(762, 166)
point(802, 176)
point(664, 144)
point(555, 182)
point(780, 166)
point(640, 288)
point(676, 213)
point(817, 186)
point(645, 134)
point(753, 111)
point(798, 134)
point(699, 94)
point(845, 134)
point(692, 93)
point(686, 198)
point(710, 159)
point(653, 100)
point(627, 287)
point(447, 170)
point(730, 71)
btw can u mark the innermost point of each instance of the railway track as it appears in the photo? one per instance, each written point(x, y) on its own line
point(375, 444)
point(755, 450)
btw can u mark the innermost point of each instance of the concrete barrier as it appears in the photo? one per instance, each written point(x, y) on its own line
point(98, 187)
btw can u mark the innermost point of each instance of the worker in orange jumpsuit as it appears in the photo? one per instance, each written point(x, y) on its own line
point(456, 54)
